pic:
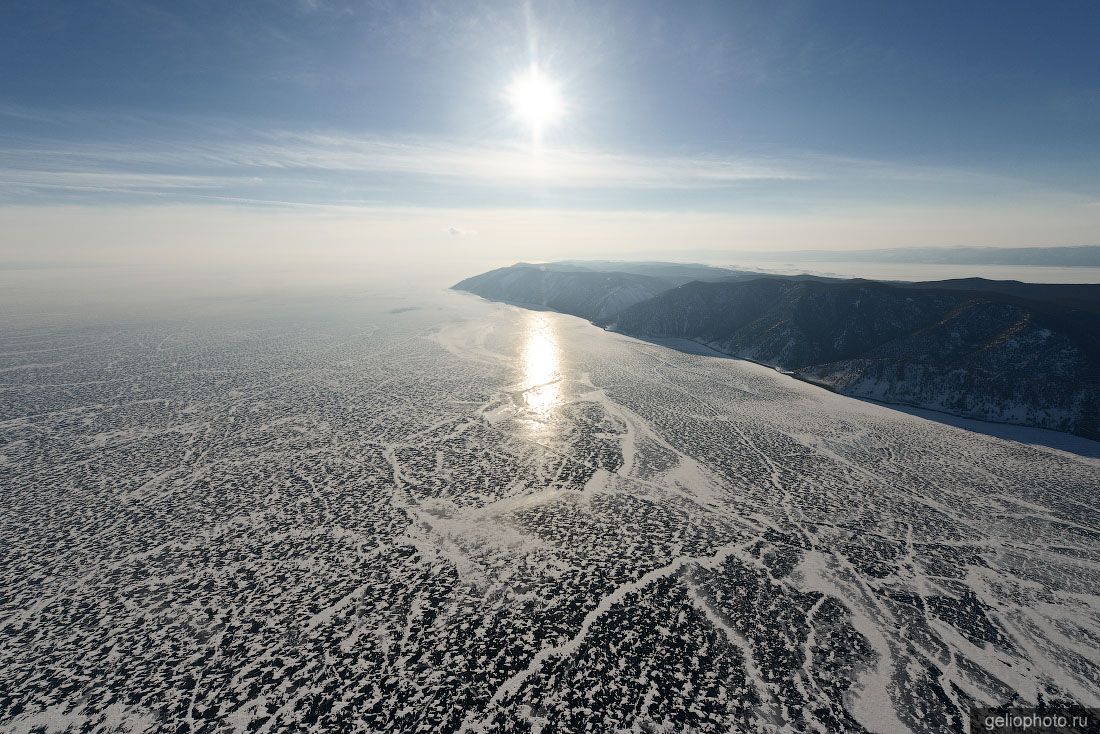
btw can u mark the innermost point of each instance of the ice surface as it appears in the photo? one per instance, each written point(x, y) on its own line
point(468, 516)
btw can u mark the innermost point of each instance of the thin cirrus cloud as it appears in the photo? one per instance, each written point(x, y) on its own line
point(159, 167)
point(113, 181)
point(503, 163)
point(341, 170)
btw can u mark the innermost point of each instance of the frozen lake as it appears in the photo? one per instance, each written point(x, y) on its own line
point(442, 514)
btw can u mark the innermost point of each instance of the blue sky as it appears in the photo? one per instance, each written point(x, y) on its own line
point(785, 125)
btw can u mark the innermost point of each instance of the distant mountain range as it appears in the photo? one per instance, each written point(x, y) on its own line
point(1001, 351)
point(1076, 256)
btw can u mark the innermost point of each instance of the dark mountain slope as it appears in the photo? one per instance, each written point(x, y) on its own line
point(988, 360)
point(1064, 296)
point(978, 354)
point(783, 322)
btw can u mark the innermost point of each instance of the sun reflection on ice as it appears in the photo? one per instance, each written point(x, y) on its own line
point(542, 365)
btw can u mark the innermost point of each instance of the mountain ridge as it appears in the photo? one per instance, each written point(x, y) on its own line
point(1058, 256)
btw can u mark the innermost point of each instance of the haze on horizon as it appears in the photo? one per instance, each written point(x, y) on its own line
point(330, 131)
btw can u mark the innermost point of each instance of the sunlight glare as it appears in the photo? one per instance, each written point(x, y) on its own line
point(541, 359)
point(535, 99)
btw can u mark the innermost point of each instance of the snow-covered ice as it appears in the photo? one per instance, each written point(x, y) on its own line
point(469, 516)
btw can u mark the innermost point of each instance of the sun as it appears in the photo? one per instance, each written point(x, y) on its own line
point(535, 99)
